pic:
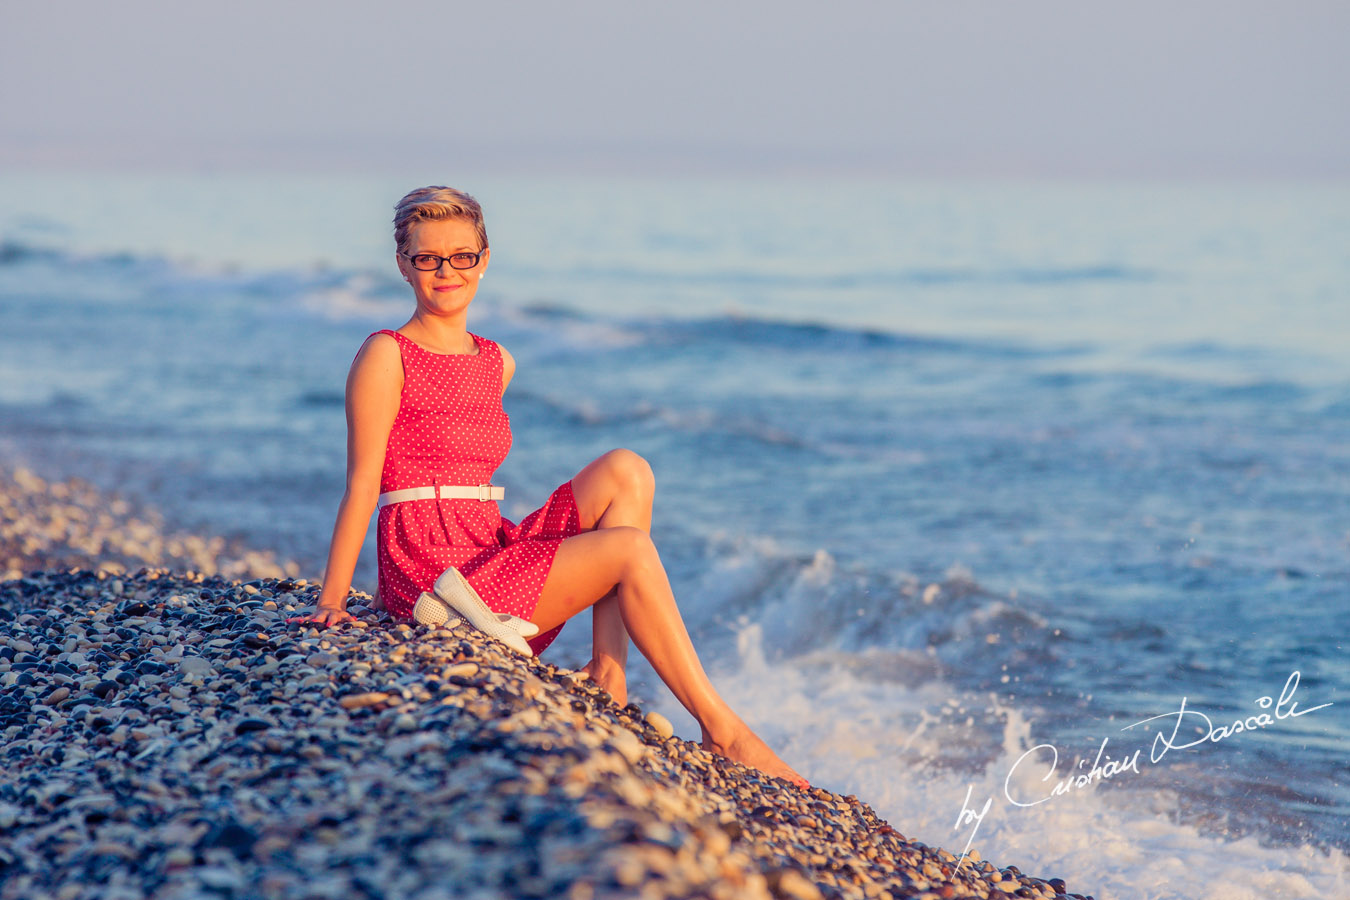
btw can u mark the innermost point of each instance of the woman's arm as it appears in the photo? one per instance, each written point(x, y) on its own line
point(373, 390)
point(508, 367)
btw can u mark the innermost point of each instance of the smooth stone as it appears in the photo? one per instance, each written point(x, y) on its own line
point(196, 665)
point(790, 883)
point(628, 745)
point(361, 701)
point(219, 878)
point(660, 724)
point(461, 670)
point(112, 848)
point(179, 858)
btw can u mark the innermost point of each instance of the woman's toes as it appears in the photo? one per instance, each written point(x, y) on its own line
point(748, 749)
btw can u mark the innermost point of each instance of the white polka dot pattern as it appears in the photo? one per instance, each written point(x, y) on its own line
point(451, 429)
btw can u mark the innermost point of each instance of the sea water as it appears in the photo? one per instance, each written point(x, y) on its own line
point(973, 495)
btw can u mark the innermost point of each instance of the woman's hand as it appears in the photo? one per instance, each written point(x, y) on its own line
point(325, 615)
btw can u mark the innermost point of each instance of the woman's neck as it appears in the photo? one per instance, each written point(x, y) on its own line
point(440, 335)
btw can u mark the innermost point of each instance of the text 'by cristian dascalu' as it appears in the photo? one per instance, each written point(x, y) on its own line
point(1105, 768)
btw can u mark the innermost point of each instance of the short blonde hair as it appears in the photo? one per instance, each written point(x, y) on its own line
point(430, 204)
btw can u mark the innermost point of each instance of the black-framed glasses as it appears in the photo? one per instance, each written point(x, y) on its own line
point(430, 262)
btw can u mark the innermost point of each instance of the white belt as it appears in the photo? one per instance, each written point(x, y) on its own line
point(446, 492)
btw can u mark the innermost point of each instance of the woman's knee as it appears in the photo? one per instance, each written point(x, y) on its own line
point(633, 547)
point(631, 472)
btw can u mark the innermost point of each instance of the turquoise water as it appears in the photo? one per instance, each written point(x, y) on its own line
point(945, 471)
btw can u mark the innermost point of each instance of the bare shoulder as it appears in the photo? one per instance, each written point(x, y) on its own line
point(374, 392)
point(379, 362)
point(378, 348)
point(508, 366)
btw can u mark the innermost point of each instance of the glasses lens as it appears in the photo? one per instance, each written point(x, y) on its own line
point(426, 262)
point(464, 260)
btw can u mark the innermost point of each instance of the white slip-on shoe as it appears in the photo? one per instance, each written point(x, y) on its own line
point(456, 593)
point(431, 610)
point(523, 627)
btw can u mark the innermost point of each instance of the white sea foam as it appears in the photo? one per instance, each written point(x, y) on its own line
point(899, 750)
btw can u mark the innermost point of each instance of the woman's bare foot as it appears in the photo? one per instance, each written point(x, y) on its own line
point(745, 747)
point(609, 676)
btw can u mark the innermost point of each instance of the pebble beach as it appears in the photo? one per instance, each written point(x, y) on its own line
point(167, 734)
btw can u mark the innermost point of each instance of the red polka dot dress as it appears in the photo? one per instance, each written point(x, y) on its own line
point(451, 430)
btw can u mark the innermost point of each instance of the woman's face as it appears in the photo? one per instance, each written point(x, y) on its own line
point(446, 290)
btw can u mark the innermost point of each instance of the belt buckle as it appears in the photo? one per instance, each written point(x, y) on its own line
point(484, 492)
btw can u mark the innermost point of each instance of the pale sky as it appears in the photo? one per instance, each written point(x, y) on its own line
point(1078, 88)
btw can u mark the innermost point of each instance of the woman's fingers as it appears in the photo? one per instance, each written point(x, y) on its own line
point(324, 617)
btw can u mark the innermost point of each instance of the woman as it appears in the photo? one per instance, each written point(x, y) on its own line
point(424, 410)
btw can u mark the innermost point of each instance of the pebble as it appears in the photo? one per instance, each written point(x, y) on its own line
point(383, 761)
point(628, 745)
point(219, 878)
point(361, 701)
point(790, 883)
point(660, 724)
point(195, 665)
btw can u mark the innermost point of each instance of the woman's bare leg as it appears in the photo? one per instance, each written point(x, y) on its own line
point(609, 648)
point(588, 567)
point(614, 490)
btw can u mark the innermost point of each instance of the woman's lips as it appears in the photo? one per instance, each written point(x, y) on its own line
point(447, 287)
